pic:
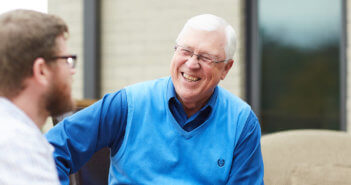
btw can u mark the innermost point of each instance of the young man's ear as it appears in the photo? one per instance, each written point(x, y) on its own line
point(41, 71)
point(227, 67)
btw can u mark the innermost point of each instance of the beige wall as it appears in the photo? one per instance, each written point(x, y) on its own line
point(138, 37)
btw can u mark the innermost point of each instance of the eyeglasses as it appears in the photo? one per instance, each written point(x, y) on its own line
point(202, 58)
point(71, 60)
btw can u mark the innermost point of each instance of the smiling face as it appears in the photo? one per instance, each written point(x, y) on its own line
point(194, 82)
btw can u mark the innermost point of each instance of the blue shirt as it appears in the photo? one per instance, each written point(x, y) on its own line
point(106, 129)
point(179, 114)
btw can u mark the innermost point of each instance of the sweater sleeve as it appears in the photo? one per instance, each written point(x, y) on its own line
point(79, 136)
point(247, 166)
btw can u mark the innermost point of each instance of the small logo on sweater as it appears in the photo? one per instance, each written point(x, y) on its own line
point(220, 162)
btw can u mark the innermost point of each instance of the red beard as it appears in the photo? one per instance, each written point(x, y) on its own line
point(58, 99)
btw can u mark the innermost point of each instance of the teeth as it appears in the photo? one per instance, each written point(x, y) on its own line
point(191, 78)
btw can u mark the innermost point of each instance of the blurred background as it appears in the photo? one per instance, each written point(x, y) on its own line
point(290, 64)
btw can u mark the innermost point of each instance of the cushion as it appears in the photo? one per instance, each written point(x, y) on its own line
point(324, 174)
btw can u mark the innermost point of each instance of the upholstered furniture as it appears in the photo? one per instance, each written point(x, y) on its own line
point(307, 157)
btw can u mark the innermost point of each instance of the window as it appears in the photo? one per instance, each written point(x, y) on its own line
point(298, 64)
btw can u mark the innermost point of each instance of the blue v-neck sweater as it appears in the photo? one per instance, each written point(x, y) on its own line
point(156, 150)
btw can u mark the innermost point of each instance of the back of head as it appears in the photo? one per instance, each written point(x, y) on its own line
point(209, 22)
point(24, 36)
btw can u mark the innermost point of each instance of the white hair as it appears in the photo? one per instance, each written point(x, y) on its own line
point(209, 22)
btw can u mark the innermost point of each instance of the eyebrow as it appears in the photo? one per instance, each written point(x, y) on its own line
point(201, 52)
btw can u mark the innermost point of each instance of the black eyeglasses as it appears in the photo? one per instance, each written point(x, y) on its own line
point(71, 60)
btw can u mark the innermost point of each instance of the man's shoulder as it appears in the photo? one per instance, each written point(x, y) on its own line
point(230, 97)
point(151, 83)
point(13, 132)
point(23, 147)
point(11, 125)
point(152, 86)
point(153, 91)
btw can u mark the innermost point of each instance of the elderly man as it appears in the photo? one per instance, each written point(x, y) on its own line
point(35, 82)
point(182, 129)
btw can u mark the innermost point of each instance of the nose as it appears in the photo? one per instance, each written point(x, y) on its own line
point(193, 62)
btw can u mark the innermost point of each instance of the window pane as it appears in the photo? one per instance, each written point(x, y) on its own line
point(300, 46)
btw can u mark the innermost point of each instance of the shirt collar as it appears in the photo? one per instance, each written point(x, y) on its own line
point(171, 94)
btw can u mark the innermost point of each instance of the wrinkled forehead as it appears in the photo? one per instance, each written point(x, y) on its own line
point(212, 42)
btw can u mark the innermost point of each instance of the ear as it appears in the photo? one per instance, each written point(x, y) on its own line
point(41, 72)
point(227, 67)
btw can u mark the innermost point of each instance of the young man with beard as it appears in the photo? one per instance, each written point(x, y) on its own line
point(35, 82)
point(182, 129)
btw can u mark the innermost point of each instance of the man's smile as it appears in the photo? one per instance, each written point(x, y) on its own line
point(190, 78)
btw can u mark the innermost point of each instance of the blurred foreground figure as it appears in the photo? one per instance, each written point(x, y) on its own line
point(35, 82)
